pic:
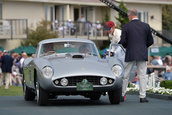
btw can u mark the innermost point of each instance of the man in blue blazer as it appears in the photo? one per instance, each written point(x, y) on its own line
point(136, 37)
point(6, 63)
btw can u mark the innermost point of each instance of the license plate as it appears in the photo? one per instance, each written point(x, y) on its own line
point(84, 85)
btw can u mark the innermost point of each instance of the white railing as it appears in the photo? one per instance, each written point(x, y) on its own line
point(77, 28)
point(151, 80)
point(13, 28)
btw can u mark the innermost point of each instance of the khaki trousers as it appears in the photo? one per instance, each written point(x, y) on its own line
point(7, 79)
point(141, 68)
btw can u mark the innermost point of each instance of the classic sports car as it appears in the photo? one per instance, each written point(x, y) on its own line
point(72, 66)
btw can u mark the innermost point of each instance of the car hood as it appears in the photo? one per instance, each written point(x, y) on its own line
point(76, 67)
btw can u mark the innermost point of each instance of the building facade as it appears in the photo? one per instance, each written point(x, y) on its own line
point(28, 13)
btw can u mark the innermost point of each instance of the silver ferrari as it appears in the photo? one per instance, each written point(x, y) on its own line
point(72, 66)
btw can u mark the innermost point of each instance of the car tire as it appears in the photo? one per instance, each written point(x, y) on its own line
point(115, 96)
point(95, 96)
point(42, 96)
point(29, 95)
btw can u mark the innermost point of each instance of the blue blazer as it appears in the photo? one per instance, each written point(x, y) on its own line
point(7, 63)
point(136, 37)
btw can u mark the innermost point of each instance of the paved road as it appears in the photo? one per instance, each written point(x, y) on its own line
point(77, 105)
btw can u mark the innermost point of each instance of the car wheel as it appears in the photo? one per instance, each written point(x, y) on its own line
point(95, 96)
point(27, 92)
point(115, 96)
point(42, 96)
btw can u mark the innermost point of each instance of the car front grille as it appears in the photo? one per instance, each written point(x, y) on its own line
point(72, 81)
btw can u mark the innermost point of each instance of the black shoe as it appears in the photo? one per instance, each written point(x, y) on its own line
point(143, 100)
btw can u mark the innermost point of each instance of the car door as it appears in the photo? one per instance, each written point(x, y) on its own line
point(117, 51)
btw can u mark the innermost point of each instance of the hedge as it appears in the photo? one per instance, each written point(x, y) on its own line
point(167, 84)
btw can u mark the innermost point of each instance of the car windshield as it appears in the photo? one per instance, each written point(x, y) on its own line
point(68, 48)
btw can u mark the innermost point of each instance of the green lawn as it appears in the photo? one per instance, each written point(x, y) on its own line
point(11, 91)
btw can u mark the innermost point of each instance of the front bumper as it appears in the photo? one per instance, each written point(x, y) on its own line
point(52, 88)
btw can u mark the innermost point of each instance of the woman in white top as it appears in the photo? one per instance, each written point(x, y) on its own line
point(115, 34)
point(115, 37)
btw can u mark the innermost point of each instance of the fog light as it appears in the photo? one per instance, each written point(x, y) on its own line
point(56, 82)
point(64, 82)
point(103, 81)
point(110, 81)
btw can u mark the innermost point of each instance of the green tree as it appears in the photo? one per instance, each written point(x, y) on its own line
point(167, 17)
point(122, 19)
point(106, 17)
point(42, 32)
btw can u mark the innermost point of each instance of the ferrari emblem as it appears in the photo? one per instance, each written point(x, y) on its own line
point(84, 81)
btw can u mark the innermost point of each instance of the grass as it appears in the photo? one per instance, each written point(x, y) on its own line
point(11, 91)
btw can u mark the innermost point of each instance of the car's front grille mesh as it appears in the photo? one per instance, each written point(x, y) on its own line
point(72, 81)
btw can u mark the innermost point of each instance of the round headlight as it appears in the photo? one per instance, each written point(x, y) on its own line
point(47, 72)
point(64, 82)
point(103, 81)
point(117, 70)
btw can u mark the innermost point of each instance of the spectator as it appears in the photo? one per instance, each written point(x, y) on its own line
point(56, 24)
point(88, 27)
point(157, 61)
point(70, 27)
point(160, 78)
point(167, 61)
point(24, 56)
point(83, 24)
point(168, 75)
point(150, 59)
point(136, 80)
point(1, 53)
point(15, 70)
point(62, 29)
point(99, 28)
point(83, 19)
point(6, 64)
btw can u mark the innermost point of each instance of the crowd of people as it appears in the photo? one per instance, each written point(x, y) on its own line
point(11, 68)
point(164, 72)
point(165, 61)
point(79, 27)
